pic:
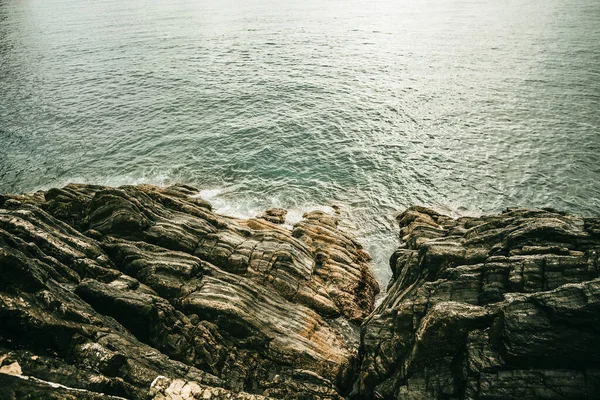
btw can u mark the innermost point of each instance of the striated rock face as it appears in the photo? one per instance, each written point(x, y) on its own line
point(144, 292)
point(274, 215)
point(498, 307)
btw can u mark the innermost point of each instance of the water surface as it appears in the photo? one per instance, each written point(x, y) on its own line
point(465, 106)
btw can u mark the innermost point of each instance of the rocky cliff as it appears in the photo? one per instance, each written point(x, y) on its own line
point(499, 307)
point(144, 292)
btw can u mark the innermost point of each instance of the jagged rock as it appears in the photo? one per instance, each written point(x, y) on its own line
point(274, 215)
point(498, 307)
point(143, 292)
point(29, 388)
point(104, 290)
point(164, 388)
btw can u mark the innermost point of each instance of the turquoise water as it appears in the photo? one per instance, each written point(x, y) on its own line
point(465, 106)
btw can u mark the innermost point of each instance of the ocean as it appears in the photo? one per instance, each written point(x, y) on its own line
point(465, 106)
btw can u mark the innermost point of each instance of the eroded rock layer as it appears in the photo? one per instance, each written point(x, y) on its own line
point(144, 292)
point(498, 307)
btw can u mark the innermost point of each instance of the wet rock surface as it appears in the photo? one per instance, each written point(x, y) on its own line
point(143, 292)
point(498, 307)
point(274, 215)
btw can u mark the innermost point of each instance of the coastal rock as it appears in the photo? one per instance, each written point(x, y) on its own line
point(141, 292)
point(274, 215)
point(28, 388)
point(497, 307)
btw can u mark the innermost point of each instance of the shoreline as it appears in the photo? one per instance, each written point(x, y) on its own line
point(227, 203)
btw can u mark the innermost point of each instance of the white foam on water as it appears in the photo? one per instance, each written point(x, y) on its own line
point(236, 208)
point(208, 194)
point(224, 203)
point(112, 181)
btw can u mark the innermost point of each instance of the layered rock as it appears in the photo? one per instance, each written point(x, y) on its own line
point(274, 215)
point(498, 307)
point(142, 291)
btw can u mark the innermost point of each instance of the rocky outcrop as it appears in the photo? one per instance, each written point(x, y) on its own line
point(274, 215)
point(498, 307)
point(142, 291)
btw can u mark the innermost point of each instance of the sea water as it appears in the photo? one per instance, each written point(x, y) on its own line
point(467, 106)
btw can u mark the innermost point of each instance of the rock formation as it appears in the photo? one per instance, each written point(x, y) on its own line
point(274, 215)
point(498, 307)
point(143, 292)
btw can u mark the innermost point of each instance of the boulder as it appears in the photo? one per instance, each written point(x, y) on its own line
point(274, 215)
